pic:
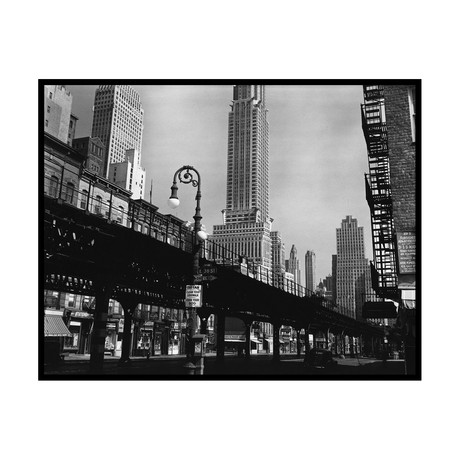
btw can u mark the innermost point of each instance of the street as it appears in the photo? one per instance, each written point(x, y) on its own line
point(257, 365)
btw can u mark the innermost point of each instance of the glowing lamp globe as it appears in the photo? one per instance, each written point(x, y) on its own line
point(173, 203)
point(202, 235)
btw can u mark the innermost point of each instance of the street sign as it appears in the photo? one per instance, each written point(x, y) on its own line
point(197, 278)
point(209, 278)
point(193, 296)
point(209, 269)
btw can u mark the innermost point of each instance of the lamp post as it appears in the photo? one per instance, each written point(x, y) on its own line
point(185, 175)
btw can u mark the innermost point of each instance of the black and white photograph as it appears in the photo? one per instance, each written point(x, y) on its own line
point(229, 230)
point(219, 230)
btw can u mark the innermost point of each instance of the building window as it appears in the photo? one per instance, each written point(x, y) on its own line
point(69, 193)
point(71, 303)
point(53, 186)
point(98, 205)
point(84, 199)
point(120, 214)
point(412, 112)
point(48, 109)
point(51, 95)
point(46, 123)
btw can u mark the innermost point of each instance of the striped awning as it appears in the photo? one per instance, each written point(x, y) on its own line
point(55, 327)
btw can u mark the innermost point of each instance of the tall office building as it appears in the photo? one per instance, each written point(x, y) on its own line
point(129, 174)
point(278, 255)
point(293, 265)
point(118, 121)
point(59, 120)
point(247, 225)
point(310, 270)
point(351, 267)
point(278, 252)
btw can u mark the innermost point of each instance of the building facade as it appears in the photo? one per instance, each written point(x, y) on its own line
point(129, 174)
point(247, 225)
point(59, 120)
point(351, 267)
point(278, 258)
point(293, 265)
point(118, 121)
point(310, 270)
point(390, 117)
point(94, 151)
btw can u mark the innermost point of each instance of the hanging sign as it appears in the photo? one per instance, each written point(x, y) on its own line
point(193, 296)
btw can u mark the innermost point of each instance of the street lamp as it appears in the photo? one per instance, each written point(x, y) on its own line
point(186, 176)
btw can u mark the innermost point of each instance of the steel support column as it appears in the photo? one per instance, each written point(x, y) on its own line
point(247, 344)
point(276, 341)
point(220, 345)
point(307, 341)
point(129, 305)
point(298, 343)
point(104, 289)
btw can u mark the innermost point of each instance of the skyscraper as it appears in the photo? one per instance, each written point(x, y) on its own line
point(351, 267)
point(310, 270)
point(293, 265)
point(278, 255)
point(247, 225)
point(118, 121)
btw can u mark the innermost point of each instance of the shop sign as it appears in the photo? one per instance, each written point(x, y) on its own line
point(81, 314)
point(234, 337)
point(193, 296)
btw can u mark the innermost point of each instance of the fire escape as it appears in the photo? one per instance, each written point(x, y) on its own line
point(378, 194)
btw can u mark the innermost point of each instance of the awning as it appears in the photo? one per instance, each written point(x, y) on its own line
point(409, 304)
point(235, 340)
point(269, 339)
point(55, 327)
point(256, 341)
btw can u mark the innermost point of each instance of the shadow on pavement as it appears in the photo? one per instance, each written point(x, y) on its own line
point(233, 366)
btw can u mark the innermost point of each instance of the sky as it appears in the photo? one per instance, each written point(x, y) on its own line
point(317, 157)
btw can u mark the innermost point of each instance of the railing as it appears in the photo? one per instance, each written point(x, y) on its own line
point(125, 212)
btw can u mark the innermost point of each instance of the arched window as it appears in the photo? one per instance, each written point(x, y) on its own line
point(84, 199)
point(53, 186)
point(69, 193)
point(98, 205)
point(120, 215)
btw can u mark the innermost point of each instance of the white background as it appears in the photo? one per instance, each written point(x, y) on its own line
point(225, 419)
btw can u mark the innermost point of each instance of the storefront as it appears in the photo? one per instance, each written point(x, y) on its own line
point(71, 342)
point(80, 327)
point(55, 332)
point(256, 345)
point(174, 341)
point(111, 335)
point(144, 339)
point(268, 344)
point(234, 343)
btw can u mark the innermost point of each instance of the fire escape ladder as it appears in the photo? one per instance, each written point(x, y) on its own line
point(378, 190)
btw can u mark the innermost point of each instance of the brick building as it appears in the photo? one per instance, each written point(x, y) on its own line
point(390, 118)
